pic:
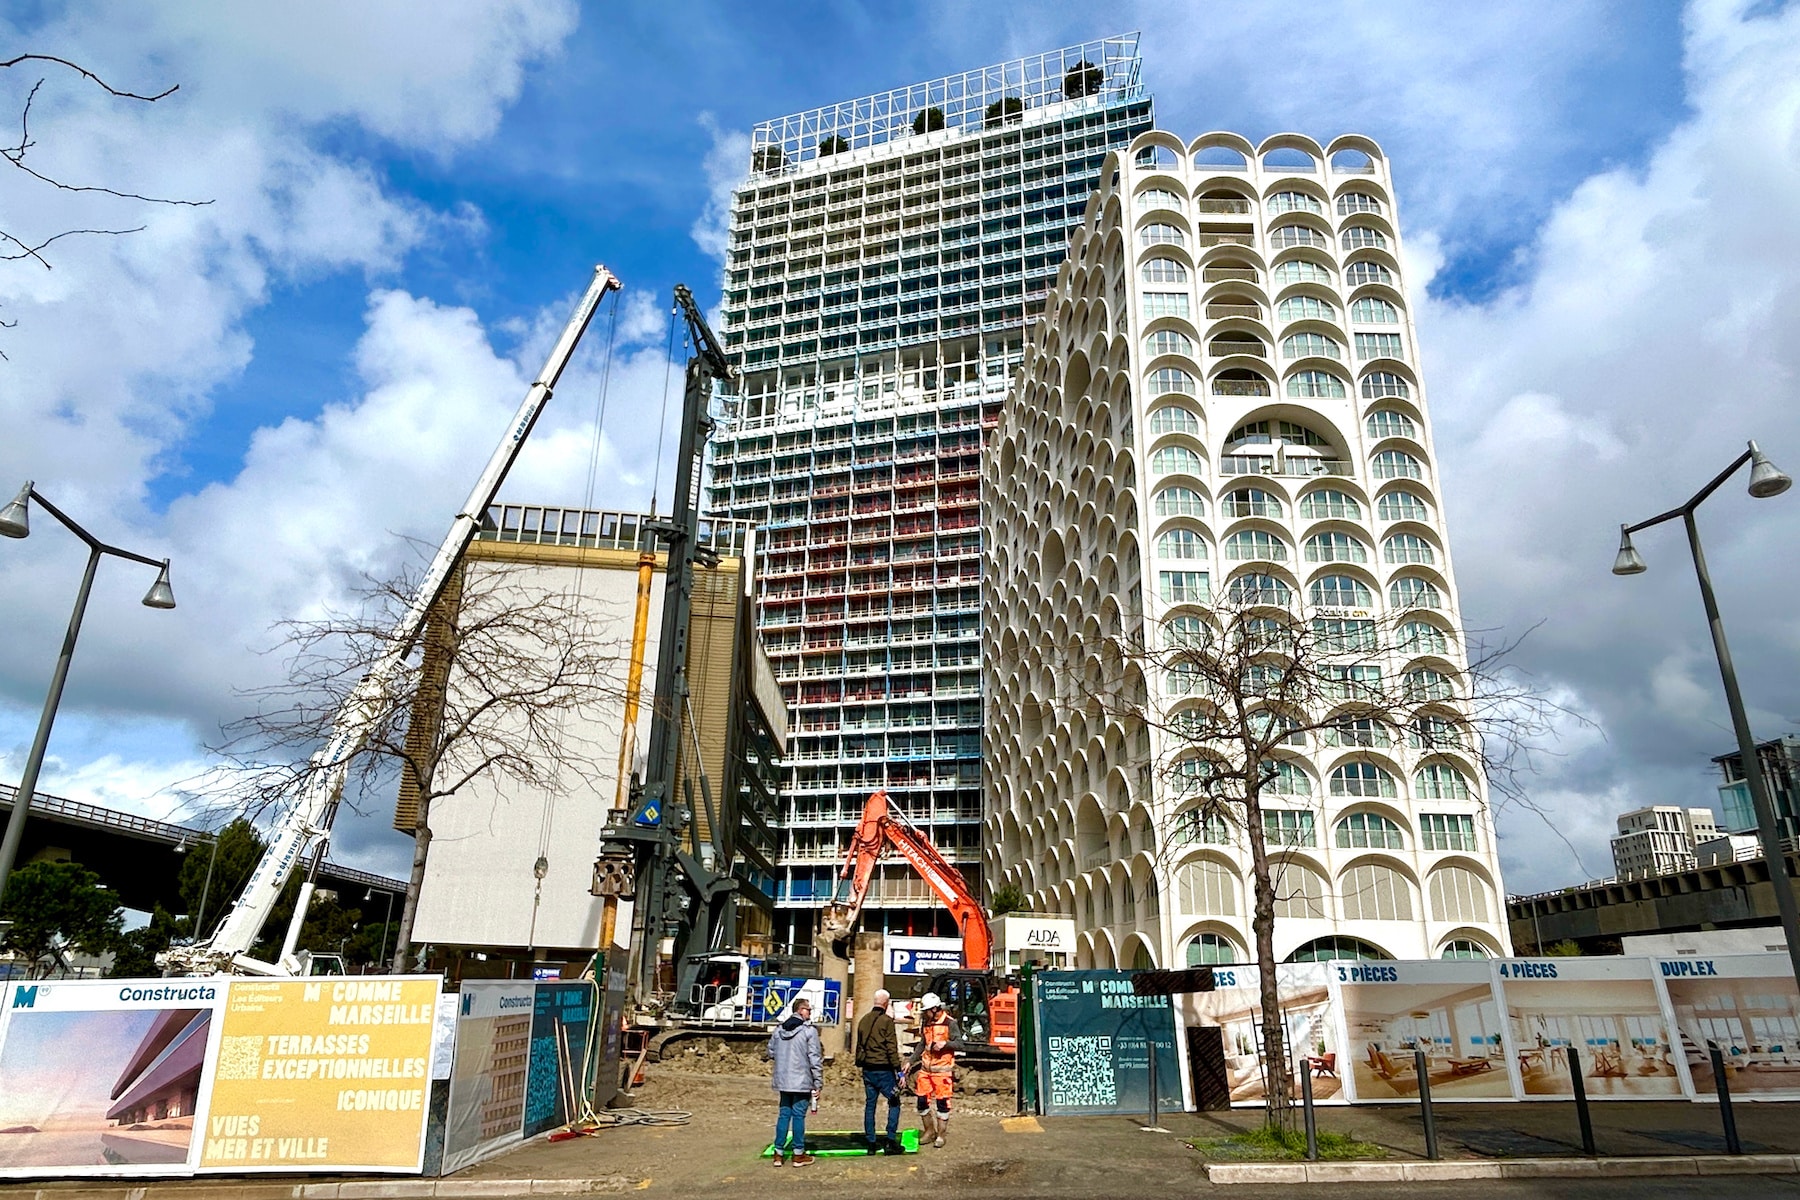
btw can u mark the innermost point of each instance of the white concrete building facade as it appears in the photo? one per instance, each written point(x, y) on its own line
point(1660, 839)
point(1227, 388)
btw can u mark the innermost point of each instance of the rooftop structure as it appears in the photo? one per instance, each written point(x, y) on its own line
point(885, 257)
point(1780, 758)
point(1660, 839)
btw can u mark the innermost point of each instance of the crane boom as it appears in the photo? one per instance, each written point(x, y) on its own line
point(308, 823)
point(881, 828)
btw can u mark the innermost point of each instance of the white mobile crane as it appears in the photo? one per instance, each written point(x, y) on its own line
point(306, 827)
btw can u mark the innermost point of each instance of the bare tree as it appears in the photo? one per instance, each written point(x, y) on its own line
point(509, 663)
point(1240, 690)
point(18, 243)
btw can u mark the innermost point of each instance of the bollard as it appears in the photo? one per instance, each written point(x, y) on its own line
point(1581, 1103)
point(1732, 1145)
point(1423, 1071)
point(1312, 1123)
point(1153, 1113)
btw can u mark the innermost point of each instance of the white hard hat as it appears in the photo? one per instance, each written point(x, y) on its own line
point(930, 1000)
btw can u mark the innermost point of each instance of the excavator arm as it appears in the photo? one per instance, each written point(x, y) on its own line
point(881, 828)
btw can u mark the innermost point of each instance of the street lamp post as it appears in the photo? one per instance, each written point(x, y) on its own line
point(15, 522)
point(1765, 481)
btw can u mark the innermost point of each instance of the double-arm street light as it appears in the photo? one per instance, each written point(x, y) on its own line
point(15, 522)
point(1765, 481)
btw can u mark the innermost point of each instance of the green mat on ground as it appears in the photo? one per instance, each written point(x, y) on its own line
point(839, 1143)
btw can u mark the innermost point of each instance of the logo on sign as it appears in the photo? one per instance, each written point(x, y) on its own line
point(1043, 937)
point(25, 997)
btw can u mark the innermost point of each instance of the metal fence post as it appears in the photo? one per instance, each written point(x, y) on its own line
point(1153, 1107)
point(1732, 1145)
point(1422, 1069)
point(1312, 1123)
point(1581, 1102)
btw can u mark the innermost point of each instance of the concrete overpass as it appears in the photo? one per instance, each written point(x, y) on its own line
point(138, 858)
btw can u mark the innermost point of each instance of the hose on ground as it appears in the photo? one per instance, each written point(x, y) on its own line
point(616, 1118)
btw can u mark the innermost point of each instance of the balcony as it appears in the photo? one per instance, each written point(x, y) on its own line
point(1245, 464)
point(1219, 312)
point(1207, 240)
point(1222, 347)
point(1241, 387)
point(1216, 207)
point(1228, 274)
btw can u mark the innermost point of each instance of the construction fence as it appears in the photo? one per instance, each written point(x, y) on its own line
point(1489, 1029)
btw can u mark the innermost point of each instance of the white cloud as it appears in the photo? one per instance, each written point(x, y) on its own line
point(724, 166)
point(1653, 336)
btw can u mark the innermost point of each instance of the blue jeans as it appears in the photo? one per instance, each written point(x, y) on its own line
point(878, 1084)
point(793, 1112)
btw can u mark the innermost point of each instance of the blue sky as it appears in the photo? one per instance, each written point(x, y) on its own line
point(406, 196)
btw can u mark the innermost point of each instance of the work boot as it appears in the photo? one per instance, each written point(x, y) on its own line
point(892, 1146)
point(802, 1158)
point(943, 1127)
point(778, 1161)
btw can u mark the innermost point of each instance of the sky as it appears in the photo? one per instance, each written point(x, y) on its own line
point(277, 387)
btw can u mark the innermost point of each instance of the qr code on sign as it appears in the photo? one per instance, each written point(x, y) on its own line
point(1081, 1072)
point(240, 1057)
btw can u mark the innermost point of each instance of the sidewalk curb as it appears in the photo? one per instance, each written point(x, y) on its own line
point(358, 1189)
point(1518, 1168)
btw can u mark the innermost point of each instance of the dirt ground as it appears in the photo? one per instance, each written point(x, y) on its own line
point(992, 1153)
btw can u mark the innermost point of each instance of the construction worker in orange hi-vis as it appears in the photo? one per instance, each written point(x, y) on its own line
point(934, 1066)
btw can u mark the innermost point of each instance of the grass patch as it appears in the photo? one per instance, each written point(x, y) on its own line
point(1283, 1145)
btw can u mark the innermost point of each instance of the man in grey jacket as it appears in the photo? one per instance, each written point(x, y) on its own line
point(799, 1074)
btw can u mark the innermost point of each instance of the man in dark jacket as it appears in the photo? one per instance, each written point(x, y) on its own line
point(799, 1074)
point(878, 1054)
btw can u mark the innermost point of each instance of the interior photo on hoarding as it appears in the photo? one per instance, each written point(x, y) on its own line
point(101, 1089)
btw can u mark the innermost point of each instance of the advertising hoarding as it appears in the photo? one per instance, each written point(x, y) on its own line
point(1748, 1006)
point(322, 1074)
point(487, 1082)
point(1095, 1037)
point(1447, 1009)
point(105, 1077)
point(1610, 1009)
point(1308, 1017)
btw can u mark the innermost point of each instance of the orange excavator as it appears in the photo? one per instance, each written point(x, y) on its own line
point(986, 1007)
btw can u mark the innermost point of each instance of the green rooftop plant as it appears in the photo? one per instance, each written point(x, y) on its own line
point(1008, 110)
point(928, 120)
point(1082, 79)
point(831, 143)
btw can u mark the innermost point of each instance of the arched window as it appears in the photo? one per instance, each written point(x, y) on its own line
point(1258, 589)
point(1181, 679)
point(1180, 543)
point(1408, 548)
point(1374, 892)
point(1302, 345)
point(1359, 273)
point(1186, 630)
point(1305, 308)
point(1403, 506)
point(1372, 311)
point(1459, 895)
point(1369, 831)
point(1265, 432)
point(1169, 304)
point(1211, 949)
point(1378, 385)
point(1251, 502)
point(1299, 891)
point(1313, 384)
point(1168, 341)
point(1128, 902)
point(1386, 423)
point(1357, 202)
point(1206, 889)
point(1343, 634)
point(1362, 779)
point(1284, 236)
point(1287, 202)
point(1340, 591)
point(1184, 587)
point(1339, 948)
point(1166, 381)
point(1158, 198)
point(1421, 637)
point(1411, 592)
point(1335, 547)
point(1326, 504)
point(1288, 780)
point(1159, 234)
point(1358, 237)
point(1440, 781)
point(1423, 684)
point(1396, 464)
point(1172, 418)
point(1357, 731)
point(1434, 733)
point(1167, 270)
point(1464, 948)
point(1176, 460)
point(1255, 545)
point(1202, 827)
point(1103, 904)
point(1180, 502)
point(1300, 270)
